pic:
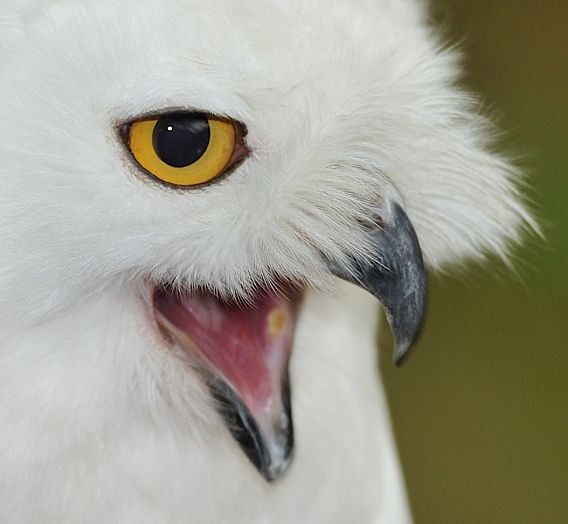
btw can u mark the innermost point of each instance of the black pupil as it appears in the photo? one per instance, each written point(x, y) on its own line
point(180, 140)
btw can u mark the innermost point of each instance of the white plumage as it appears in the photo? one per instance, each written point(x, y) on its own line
point(347, 103)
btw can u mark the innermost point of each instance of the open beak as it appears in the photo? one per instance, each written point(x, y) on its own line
point(244, 351)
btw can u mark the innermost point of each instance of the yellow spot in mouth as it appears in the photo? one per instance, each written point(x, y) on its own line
point(277, 321)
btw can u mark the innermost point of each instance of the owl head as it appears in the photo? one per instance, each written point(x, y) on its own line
point(202, 164)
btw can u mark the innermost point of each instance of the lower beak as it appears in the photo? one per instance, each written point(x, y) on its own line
point(267, 439)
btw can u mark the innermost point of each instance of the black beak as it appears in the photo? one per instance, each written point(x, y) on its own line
point(396, 276)
point(270, 448)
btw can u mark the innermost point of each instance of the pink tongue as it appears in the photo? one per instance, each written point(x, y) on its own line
point(247, 347)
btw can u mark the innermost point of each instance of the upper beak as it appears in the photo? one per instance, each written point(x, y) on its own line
point(395, 275)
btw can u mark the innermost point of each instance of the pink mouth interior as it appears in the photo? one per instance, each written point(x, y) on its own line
point(248, 347)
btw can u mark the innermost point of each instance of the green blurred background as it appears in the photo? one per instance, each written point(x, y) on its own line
point(481, 408)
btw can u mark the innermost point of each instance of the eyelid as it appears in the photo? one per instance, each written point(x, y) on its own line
point(124, 127)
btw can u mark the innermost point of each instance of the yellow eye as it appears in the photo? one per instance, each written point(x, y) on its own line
point(184, 149)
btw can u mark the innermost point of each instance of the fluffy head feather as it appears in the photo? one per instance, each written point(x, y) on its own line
point(342, 104)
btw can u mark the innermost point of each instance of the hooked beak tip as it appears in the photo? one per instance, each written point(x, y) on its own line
point(397, 278)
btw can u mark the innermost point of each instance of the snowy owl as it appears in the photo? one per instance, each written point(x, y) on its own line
point(203, 205)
